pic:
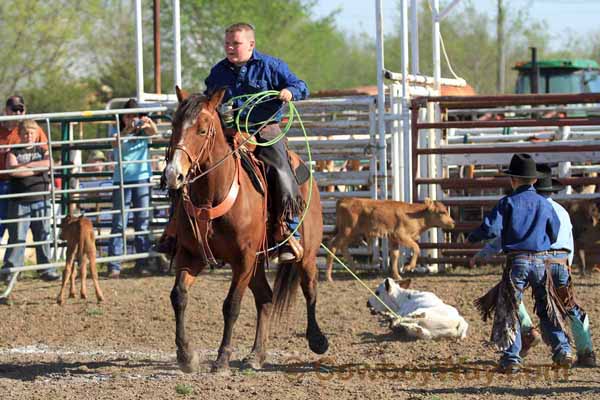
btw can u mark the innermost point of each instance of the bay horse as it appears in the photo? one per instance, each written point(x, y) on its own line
point(198, 143)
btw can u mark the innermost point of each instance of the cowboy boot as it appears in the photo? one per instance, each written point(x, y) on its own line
point(530, 336)
point(529, 339)
point(291, 251)
point(583, 342)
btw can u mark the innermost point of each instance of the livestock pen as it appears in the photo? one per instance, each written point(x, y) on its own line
point(476, 136)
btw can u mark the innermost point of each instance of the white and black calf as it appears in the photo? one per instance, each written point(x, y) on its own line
point(423, 315)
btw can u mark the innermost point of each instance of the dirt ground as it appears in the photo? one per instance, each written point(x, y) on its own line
point(125, 348)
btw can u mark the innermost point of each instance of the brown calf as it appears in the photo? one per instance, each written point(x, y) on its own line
point(81, 243)
point(401, 222)
point(586, 230)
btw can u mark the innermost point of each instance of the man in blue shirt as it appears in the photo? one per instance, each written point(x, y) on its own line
point(245, 71)
point(527, 225)
point(563, 251)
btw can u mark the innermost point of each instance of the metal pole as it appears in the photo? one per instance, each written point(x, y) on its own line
point(433, 134)
point(84, 114)
point(373, 169)
point(139, 46)
point(121, 187)
point(437, 66)
point(564, 168)
point(381, 99)
point(381, 115)
point(52, 194)
point(177, 42)
point(66, 176)
point(414, 38)
point(406, 162)
point(157, 71)
point(500, 47)
point(397, 162)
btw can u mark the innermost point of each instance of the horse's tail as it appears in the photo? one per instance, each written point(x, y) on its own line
point(284, 290)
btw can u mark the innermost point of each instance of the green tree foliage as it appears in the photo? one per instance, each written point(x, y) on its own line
point(42, 42)
point(314, 48)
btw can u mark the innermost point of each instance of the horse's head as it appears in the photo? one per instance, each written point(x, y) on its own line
point(194, 127)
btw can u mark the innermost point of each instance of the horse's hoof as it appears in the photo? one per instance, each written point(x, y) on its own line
point(318, 343)
point(220, 367)
point(253, 361)
point(188, 364)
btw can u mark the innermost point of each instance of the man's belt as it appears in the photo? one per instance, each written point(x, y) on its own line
point(558, 252)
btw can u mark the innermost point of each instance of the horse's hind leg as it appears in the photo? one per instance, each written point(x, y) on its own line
point(317, 341)
point(231, 308)
point(263, 299)
point(186, 358)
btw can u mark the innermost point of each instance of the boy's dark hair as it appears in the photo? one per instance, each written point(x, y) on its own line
point(523, 181)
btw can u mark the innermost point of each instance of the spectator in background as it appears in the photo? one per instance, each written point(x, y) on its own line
point(96, 157)
point(134, 173)
point(15, 105)
point(23, 180)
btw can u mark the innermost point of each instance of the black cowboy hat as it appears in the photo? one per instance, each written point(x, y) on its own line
point(545, 182)
point(522, 166)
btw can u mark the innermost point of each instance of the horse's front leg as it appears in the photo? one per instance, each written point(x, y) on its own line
point(242, 273)
point(317, 341)
point(263, 299)
point(186, 358)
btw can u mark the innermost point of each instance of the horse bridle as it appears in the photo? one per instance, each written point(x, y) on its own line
point(195, 170)
point(205, 149)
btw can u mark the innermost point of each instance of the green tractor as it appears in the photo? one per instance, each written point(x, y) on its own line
point(559, 76)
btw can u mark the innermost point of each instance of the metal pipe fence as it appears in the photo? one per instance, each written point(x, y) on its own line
point(339, 129)
point(483, 146)
point(61, 199)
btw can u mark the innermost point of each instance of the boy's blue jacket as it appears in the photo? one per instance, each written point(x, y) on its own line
point(524, 220)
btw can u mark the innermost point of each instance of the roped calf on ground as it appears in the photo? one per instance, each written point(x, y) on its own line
point(81, 243)
point(423, 315)
point(402, 223)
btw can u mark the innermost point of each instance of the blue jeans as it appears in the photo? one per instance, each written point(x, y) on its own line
point(4, 189)
point(135, 197)
point(530, 270)
point(15, 256)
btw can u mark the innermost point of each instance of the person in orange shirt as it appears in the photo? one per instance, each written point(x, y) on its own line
point(9, 134)
point(14, 106)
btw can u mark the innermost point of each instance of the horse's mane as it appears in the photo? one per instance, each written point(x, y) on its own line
point(189, 108)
